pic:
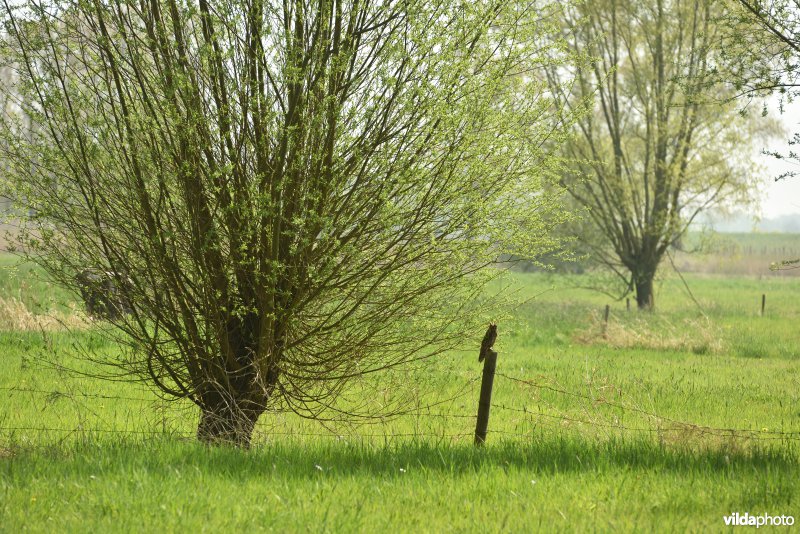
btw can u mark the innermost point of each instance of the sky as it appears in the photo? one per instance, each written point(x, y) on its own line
point(781, 197)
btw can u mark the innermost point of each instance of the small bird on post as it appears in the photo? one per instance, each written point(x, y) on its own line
point(488, 341)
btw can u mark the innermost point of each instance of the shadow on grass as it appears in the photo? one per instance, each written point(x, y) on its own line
point(332, 458)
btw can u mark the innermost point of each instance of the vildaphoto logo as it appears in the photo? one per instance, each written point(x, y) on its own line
point(746, 520)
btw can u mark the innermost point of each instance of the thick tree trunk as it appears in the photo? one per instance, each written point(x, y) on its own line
point(644, 293)
point(227, 425)
point(228, 417)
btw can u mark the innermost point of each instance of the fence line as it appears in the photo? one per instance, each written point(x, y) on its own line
point(678, 424)
point(257, 433)
point(76, 394)
point(572, 419)
point(418, 411)
point(81, 429)
point(424, 411)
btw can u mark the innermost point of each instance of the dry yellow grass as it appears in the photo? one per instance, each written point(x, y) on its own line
point(653, 332)
point(14, 315)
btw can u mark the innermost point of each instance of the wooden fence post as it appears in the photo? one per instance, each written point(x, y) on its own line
point(485, 401)
point(763, 303)
point(605, 320)
point(628, 304)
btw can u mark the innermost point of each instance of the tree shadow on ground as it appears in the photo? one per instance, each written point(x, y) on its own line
point(330, 457)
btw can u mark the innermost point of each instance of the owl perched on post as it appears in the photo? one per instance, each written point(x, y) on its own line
point(488, 341)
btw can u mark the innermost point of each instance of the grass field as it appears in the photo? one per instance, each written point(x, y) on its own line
point(651, 423)
point(747, 254)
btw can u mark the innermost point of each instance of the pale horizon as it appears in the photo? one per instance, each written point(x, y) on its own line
point(780, 197)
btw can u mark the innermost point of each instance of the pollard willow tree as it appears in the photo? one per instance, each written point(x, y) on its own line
point(661, 144)
point(288, 195)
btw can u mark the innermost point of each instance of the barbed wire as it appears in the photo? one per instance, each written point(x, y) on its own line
point(562, 417)
point(682, 427)
point(423, 411)
point(674, 425)
point(705, 429)
point(257, 433)
point(80, 429)
point(55, 392)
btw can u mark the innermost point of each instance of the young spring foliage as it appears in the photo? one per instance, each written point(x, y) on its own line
point(663, 142)
point(288, 196)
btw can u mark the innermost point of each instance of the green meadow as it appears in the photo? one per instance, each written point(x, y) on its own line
point(648, 422)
